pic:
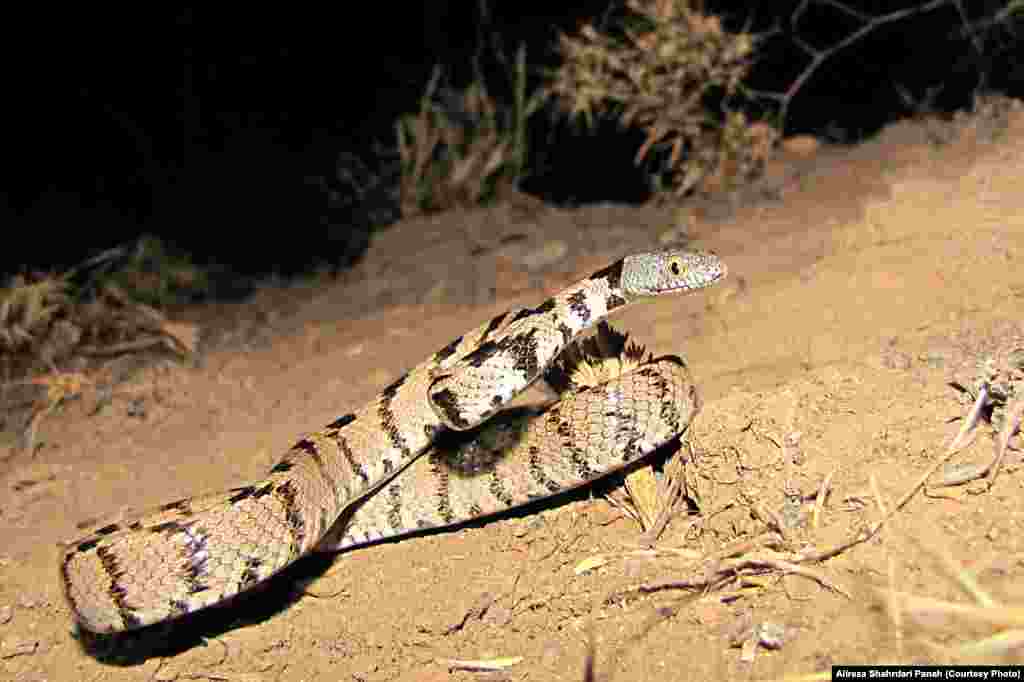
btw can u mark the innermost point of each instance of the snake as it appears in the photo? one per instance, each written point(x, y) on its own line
point(423, 453)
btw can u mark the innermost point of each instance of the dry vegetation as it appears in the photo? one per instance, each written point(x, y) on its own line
point(52, 324)
point(463, 147)
point(665, 68)
point(662, 67)
point(677, 75)
point(97, 308)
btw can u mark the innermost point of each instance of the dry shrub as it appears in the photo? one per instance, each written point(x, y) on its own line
point(671, 71)
point(95, 309)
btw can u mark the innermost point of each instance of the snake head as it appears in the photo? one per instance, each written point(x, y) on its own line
point(671, 270)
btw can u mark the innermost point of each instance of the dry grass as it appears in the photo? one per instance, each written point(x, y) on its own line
point(462, 147)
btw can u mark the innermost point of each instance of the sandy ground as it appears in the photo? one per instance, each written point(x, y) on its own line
point(863, 281)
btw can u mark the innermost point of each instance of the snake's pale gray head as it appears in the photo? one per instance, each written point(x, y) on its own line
point(668, 271)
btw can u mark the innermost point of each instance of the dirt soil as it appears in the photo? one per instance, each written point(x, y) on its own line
point(863, 280)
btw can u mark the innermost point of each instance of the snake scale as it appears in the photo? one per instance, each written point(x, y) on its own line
point(192, 553)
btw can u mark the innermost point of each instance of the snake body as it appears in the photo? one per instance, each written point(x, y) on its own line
point(192, 553)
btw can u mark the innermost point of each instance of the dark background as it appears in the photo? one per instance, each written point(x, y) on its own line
point(207, 126)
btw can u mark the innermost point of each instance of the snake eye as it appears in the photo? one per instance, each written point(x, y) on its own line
point(676, 265)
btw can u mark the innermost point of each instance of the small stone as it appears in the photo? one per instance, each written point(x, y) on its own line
point(772, 635)
point(137, 408)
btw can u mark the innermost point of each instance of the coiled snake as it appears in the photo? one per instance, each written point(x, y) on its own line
point(192, 553)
